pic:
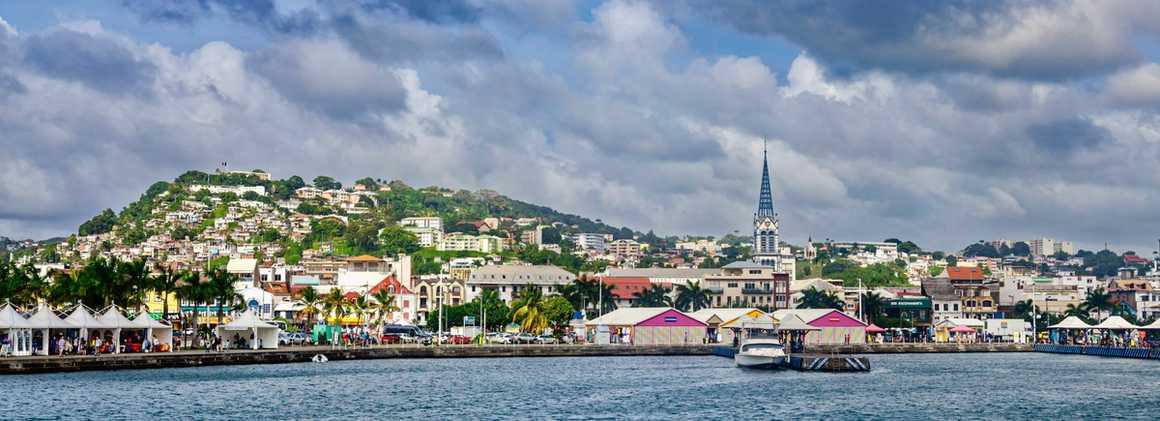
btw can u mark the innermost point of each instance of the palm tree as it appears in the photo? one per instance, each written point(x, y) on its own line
point(1080, 311)
point(359, 307)
point(1025, 309)
point(221, 286)
point(654, 296)
point(1099, 300)
point(383, 306)
point(531, 312)
point(813, 298)
point(872, 304)
point(134, 280)
point(311, 303)
point(195, 292)
point(164, 284)
point(334, 304)
point(691, 297)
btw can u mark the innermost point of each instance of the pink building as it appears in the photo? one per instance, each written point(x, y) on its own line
point(836, 327)
point(647, 326)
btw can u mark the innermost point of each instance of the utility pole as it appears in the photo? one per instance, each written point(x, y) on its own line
point(861, 314)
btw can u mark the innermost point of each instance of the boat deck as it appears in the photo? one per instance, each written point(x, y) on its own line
point(827, 363)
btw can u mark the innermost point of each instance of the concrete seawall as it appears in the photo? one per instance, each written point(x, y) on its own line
point(29, 365)
point(917, 348)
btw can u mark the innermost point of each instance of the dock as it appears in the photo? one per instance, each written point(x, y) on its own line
point(54, 364)
point(1100, 351)
point(834, 363)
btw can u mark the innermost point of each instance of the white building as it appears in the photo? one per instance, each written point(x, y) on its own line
point(589, 241)
point(238, 190)
point(433, 222)
point(625, 248)
point(509, 280)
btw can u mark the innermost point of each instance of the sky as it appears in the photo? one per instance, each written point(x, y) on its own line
point(944, 123)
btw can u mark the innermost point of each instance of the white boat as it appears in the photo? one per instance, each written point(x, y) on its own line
point(765, 353)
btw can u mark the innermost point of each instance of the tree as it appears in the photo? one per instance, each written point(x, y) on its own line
point(99, 224)
point(691, 297)
point(395, 240)
point(221, 284)
point(311, 303)
point(165, 283)
point(813, 298)
point(981, 249)
point(360, 307)
point(383, 306)
point(872, 304)
point(952, 261)
point(323, 182)
point(559, 312)
point(1024, 310)
point(1098, 300)
point(1021, 249)
point(368, 182)
point(194, 292)
point(531, 313)
point(654, 296)
point(334, 304)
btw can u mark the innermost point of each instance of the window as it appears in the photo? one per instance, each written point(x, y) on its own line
point(956, 306)
point(754, 271)
point(749, 285)
point(731, 285)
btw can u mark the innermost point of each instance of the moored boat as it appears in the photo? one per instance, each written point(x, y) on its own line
point(765, 353)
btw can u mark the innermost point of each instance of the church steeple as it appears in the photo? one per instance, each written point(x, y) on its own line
point(765, 198)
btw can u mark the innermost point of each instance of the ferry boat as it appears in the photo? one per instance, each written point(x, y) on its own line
point(765, 353)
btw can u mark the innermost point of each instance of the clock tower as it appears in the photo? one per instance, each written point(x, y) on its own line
point(765, 222)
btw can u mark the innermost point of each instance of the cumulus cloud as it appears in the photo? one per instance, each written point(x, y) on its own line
point(614, 111)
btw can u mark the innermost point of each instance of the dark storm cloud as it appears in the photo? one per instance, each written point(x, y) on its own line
point(1067, 136)
point(261, 13)
point(1032, 40)
point(10, 86)
point(99, 63)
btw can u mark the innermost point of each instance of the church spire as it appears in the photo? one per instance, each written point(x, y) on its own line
point(765, 198)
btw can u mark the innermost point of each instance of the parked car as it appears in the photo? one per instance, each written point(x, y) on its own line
point(547, 339)
point(499, 338)
point(524, 338)
point(295, 338)
point(395, 334)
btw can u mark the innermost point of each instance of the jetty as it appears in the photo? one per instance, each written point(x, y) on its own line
point(917, 348)
point(1101, 351)
point(54, 364)
point(814, 362)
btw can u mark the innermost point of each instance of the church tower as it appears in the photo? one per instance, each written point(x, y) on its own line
point(765, 223)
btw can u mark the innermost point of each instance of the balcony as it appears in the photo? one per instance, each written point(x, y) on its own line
point(756, 291)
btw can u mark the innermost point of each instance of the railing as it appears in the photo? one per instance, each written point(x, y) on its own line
point(1100, 351)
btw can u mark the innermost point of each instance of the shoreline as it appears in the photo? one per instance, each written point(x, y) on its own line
point(74, 363)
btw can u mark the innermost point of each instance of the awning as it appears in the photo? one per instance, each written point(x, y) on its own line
point(12, 319)
point(1115, 323)
point(962, 329)
point(793, 322)
point(1071, 322)
point(874, 329)
point(45, 318)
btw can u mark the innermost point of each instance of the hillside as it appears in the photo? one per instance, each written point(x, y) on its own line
point(252, 208)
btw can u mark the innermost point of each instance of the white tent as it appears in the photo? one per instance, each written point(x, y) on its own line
point(1071, 322)
point(82, 319)
point(45, 319)
point(1115, 323)
point(19, 331)
point(251, 328)
point(115, 320)
point(154, 329)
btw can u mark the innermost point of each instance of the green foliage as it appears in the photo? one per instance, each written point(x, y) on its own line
point(812, 298)
point(1104, 263)
point(980, 249)
point(876, 275)
point(323, 182)
point(907, 247)
point(936, 270)
point(1021, 249)
point(310, 207)
point(691, 297)
point(292, 252)
point(654, 296)
point(395, 240)
point(100, 224)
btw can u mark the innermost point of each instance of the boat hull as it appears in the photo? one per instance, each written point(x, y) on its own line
point(764, 362)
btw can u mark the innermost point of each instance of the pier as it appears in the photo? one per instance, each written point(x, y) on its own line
point(814, 362)
point(29, 365)
point(916, 348)
point(1100, 351)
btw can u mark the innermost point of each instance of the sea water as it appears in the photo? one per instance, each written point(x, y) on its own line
point(915, 386)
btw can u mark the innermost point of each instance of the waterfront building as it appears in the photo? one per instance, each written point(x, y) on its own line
point(433, 290)
point(942, 330)
point(724, 324)
point(748, 284)
point(405, 300)
point(944, 300)
point(662, 276)
point(974, 291)
point(1011, 330)
point(647, 326)
point(510, 280)
point(1137, 295)
point(835, 327)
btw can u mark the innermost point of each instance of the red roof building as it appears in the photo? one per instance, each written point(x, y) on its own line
point(391, 284)
point(959, 273)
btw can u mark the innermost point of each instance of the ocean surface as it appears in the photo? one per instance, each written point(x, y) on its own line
point(918, 386)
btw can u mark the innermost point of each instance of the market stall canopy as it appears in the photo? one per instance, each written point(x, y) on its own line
point(1115, 323)
point(793, 322)
point(115, 319)
point(144, 321)
point(874, 329)
point(45, 318)
point(246, 321)
point(81, 318)
point(1071, 322)
point(12, 319)
point(962, 329)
